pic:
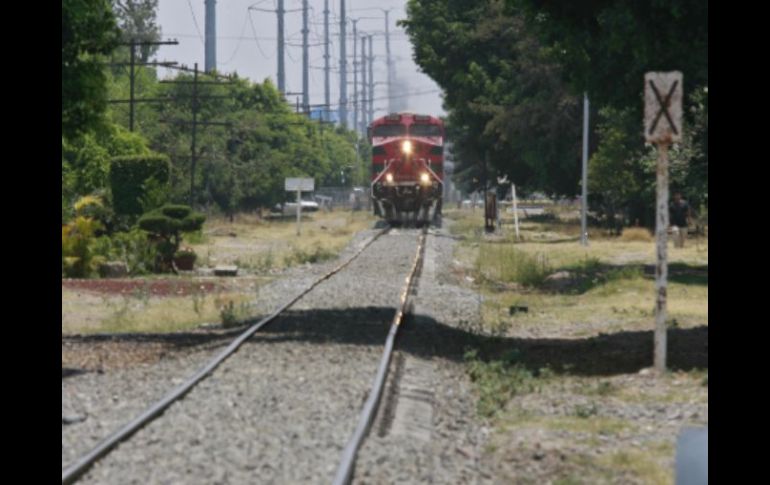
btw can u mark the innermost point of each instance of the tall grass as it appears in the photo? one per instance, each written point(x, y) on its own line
point(504, 263)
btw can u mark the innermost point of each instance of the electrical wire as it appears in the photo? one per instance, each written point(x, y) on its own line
point(254, 30)
point(195, 21)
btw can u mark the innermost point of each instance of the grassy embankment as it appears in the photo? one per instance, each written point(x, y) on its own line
point(562, 371)
point(260, 248)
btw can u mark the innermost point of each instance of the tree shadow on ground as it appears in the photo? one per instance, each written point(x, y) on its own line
point(607, 354)
point(592, 274)
point(618, 353)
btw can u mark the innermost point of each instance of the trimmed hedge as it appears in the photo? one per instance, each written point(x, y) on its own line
point(128, 176)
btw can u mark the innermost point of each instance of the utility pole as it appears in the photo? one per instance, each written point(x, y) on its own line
point(193, 154)
point(281, 69)
point(195, 99)
point(363, 84)
point(280, 11)
point(343, 70)
point(387, 60)
point(584, 194)
point(211, 36)
point(305, 61)
point(355, 78)
point(371, 82)
point(132, 74)
point(327, 99)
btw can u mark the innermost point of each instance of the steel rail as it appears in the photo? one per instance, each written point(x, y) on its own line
point(76, 469)
point(345, 468)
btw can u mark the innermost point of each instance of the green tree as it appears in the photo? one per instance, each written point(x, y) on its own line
point(504, 97)
point(88, 32)
point(136, 19)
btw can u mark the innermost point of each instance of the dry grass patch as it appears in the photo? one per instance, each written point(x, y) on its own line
point(129, 313)
point(260, 246)
point(636, 234)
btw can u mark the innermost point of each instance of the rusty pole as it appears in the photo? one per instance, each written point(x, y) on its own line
point(661, 268)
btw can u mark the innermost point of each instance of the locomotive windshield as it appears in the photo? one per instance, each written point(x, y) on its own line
point(425, 130)
point(389, 130)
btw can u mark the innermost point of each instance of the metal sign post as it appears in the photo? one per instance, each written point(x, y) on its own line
point(299, 185)
point(515, 212)
point(299, 209)
point(662, 126)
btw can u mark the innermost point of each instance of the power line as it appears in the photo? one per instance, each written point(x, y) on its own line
point(195, 21)
point(254, 30)
point(240, 40)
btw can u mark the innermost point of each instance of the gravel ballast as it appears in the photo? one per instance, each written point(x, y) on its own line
point(281, 409)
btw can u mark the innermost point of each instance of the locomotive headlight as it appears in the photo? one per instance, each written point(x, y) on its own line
point(406, 147)
point(389, 177)
point(424, 178)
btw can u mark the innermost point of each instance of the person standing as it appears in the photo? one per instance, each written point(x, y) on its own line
point(680, 219)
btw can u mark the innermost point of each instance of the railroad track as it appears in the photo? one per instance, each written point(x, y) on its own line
point(82, 464)
point(345, 468)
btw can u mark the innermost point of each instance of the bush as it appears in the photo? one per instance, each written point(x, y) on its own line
point(167, 224)
point(498, 381)
point(176, 211)
point(76, 238)
point(129, 180)
point(131, 247)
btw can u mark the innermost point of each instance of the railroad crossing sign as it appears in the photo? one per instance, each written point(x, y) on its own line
point(662, 126)
point(663, 107)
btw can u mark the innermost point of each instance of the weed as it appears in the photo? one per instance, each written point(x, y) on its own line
point(498, 381)
point(265, 262)
point(568, 481)
point(507, 264)
point(300, 256)
point(227, 314)
point(586, 410)
point(605, 388)
point(199, 300)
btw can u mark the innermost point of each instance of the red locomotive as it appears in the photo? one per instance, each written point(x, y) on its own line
point(407, 167)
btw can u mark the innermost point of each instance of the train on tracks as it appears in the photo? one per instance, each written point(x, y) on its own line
point(407, 167)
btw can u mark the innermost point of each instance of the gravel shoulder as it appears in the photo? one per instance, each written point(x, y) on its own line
point(427, 429)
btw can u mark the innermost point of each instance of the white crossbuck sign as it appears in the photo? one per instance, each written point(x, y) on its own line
point(663, 107)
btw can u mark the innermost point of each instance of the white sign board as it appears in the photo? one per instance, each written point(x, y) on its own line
point(663, 107)
point(305, 185)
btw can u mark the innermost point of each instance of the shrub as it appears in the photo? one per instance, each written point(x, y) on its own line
point(76, 238)
point(498, 381)
point(167, 225)
point(131, 247)
point(129, 180)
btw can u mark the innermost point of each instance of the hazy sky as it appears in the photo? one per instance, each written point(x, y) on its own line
point(246, 44)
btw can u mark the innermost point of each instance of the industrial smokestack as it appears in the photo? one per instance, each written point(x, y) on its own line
point(211, 36)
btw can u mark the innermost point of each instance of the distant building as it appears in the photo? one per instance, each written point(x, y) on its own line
point(324, 114)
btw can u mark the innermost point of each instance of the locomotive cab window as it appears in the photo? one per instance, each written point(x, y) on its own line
point(389, 130)
point(424, 130)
